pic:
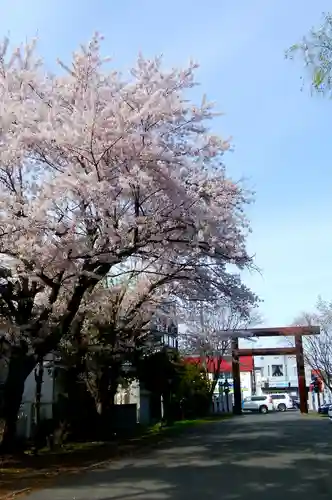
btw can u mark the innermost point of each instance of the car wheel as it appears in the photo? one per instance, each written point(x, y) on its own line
point(282, 407)
point(263, 409)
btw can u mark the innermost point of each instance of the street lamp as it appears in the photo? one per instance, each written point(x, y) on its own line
point(226, 391)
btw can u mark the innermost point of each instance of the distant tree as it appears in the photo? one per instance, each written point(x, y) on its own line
point(210, 329)
point(318, 348)
point(316, 51)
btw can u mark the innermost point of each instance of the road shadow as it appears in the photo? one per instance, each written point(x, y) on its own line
point(255, 457)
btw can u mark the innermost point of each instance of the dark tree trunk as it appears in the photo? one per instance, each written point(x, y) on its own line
point(21, 363)
point(39, 376)
point(168, 409)
point(107, 389)
point(216, 375)
point(19, 368)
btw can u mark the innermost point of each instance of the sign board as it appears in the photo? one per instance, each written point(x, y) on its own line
point(279, 385)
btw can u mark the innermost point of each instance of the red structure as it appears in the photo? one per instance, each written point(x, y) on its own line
point(316, 374)
point(297, 332)
point(246, 363)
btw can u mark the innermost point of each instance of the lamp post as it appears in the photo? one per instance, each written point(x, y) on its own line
point(226, 391)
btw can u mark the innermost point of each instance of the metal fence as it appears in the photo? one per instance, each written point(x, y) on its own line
point(222, 404)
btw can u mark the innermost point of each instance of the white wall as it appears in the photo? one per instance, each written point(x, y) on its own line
point(29, 394)
point(27, 413)
point(289, 369)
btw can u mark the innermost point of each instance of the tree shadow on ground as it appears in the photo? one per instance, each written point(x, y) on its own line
point(256, 457)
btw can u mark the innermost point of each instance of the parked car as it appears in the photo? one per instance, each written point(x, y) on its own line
point(330, 412)
point(296, 403)
point(262, 404)
point(282, 402)
point(324, 408)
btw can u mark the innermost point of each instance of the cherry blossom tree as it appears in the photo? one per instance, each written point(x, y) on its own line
point(318, 348)
point(115, 325)
point(210, 329)
point(99, 172)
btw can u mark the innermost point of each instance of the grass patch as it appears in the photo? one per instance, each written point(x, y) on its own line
point(28, 471)
point(68, 448)
point(160, 429)
point(314, 414)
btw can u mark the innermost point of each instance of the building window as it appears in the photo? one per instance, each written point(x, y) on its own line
point(268, 370)
point(277, 371)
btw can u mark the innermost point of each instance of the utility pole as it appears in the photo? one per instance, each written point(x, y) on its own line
point(253, 378)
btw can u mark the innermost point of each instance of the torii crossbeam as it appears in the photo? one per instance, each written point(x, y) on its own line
point(297, 332)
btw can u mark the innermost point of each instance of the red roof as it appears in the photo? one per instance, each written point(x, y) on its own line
point(246, 363)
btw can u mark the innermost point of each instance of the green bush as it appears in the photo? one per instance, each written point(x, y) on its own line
point(185, 388)
point(193, 393)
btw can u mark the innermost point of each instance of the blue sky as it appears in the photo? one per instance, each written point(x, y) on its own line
point(281, 134)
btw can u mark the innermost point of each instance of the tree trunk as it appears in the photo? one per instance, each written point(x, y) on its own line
point(39, 376)
point(107, 389)
point(168, 407)
point(18, 370)
point(216, 375)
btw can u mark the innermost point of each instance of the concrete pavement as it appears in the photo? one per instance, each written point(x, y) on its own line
point(261, 457)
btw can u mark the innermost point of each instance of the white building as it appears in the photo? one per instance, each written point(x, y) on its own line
point(278, 373)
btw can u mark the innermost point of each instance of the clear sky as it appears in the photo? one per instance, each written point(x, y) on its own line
point(281, 135)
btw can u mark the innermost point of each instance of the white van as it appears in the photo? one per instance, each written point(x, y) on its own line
point(282, 402)
point(262, 404)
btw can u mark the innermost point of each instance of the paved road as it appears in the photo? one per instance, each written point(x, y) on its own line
point(261, 457)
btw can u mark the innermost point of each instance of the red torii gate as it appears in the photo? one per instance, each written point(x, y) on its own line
point(297, 332)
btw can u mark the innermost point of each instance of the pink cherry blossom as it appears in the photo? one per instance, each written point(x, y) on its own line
point(98, 171)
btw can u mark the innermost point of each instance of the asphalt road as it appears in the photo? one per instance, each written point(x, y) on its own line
point(261, 457)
